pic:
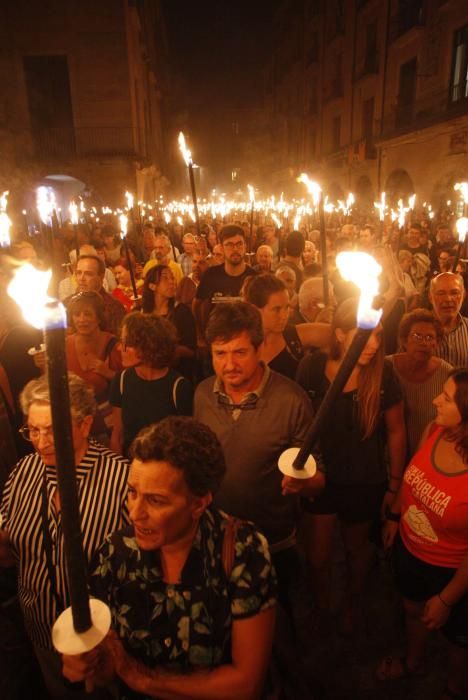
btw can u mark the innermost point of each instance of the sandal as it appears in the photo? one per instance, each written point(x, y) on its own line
point(394, 668)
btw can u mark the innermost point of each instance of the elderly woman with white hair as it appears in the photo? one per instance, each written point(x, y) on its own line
point(311, 307)
point(30, 509)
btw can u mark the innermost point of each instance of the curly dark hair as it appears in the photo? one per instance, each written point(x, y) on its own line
point(187, 445)
point(227, 321)
point(153, 277)
point(154, 338)
point(419, 316)
point(83, 299)
point(257, 289)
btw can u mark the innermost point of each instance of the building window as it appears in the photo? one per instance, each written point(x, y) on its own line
point(312, 143)
point(410, 14)
point(368, 119)
point(313, 51)
point(370, 59)
point(50, 106)
point(407, 93)
point(459, 77)
point(313, 97)
point(336, 133)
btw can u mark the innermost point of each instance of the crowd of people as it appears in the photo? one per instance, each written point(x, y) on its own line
point(195, 359)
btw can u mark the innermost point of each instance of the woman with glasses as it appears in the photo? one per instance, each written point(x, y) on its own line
point(93, 354)
point(421, 374)
point(30, 510)
point(147, 390)
point(159, 298)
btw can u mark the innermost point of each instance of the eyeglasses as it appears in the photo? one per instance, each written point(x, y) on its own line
point(231, 245)
point(423, 338)
point(31, 434)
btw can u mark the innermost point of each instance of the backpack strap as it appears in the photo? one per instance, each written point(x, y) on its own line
point(228, 552)
point(111, 343)
point(122, 375)
point(174, 390)
point(293, 342)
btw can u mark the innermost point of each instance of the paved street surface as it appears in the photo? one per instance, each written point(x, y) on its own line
point(343, 667)
point(330, 666)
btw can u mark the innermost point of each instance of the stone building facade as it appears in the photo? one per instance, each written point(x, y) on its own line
point(83, 91)
point(370, 95)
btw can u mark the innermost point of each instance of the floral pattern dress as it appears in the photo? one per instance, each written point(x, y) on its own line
point(187, 625)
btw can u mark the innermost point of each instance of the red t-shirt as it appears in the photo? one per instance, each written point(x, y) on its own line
point(434, 509)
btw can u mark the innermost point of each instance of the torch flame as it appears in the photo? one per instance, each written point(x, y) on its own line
point(462, 187)
point(167, 217)
point(184, 150)
point(251, 193)
point(381, 206)
point(5, 221)
point(129, 197)
point(462, 228)
point(73, 209)
point(123, 220)
point(313, 188)
point(4, 200)
point(45, 202)
point(29, 289)
point(411, 201)
point(363, 270)
point(276, 220)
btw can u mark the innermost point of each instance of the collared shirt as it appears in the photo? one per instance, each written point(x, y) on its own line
point(269, 420)
point(185, 625)
point(102, 491)
point(248, 401)
point(185, 261)
point(453, 348)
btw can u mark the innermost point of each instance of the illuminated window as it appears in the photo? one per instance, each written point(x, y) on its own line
point(459, 78)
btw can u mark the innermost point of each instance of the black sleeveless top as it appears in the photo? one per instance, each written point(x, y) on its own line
point(286, 361)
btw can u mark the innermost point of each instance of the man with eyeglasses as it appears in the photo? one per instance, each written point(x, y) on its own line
point(222, 282)
point(446, 294)
point(219, 284)
point(256, 414)
point(31, 534)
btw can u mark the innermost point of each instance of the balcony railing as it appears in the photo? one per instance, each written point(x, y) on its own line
point(82, 142)
point(432, 108)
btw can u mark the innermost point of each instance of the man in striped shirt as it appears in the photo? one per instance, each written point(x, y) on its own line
point(31, 524)
point(446, 295)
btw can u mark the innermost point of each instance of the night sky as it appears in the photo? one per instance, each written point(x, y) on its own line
point(218, 50)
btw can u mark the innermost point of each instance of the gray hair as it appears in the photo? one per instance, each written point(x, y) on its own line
point(311, 290)
point(266, 247)
point(404, 255)
point(285, 268)
point(82, 401)
point(452, 275)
